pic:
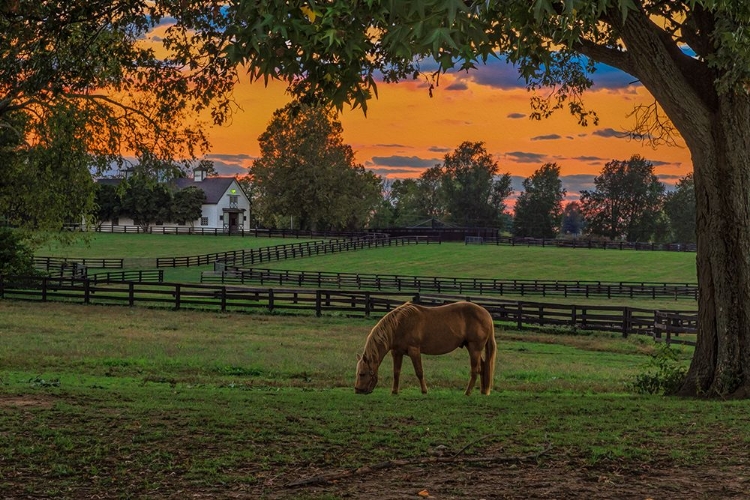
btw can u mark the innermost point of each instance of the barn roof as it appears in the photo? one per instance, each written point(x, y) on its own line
point(213, 187)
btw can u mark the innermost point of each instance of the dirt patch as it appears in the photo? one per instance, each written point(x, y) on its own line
point(26, 402)
point(531, 481)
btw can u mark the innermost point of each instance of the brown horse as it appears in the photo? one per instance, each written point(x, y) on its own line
point(415, 330)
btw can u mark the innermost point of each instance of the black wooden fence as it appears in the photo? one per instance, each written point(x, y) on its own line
point(437, 284)
point(519, 314)
point(254, 256)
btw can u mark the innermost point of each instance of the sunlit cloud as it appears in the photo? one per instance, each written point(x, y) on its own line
point(526, 157)
point(231, 164)
point(516, 116)
point(404, 161)
point(458, 85)
point(547, 137)
point(609, 132)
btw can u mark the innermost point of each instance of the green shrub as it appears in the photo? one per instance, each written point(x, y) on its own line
point(15, 257)
point(664, 373)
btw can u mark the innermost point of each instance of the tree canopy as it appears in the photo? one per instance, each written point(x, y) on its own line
point(83, 85)
point(626, 201)
point(306, 172)
point(473, 190)
point(539, 209)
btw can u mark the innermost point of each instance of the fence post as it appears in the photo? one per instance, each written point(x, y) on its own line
point(367, 304)
point(519, 316)
point(270, 300)
point(657, 326)
point(86, 291)
point(223, 299)
point(131, 294)
point(626, 315)
point(177, 289)
point(318, 304)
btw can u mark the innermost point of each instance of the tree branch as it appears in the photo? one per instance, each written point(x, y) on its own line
point(610, 56)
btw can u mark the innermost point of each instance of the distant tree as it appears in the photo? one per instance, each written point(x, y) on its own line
point(572, 219)
point(404, 200)
point(187, 205)
point(539, 207)
point(626, 202)
point(306, 171)
point(432, 198)
point(417, 200)
point(679, 206)
point(145, 200)
point(108, 203)
point(473, 194)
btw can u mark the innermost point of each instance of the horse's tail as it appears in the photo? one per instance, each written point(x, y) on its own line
point(488, 362)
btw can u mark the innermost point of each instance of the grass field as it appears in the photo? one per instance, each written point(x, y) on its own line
point(124, 403)
point(447, 259)
point(117, 402)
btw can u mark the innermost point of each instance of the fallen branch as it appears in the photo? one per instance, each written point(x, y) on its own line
point(335, 476)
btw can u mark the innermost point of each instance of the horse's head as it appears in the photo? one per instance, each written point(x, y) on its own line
point(367, 376)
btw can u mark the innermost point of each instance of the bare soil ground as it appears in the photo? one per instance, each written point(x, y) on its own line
point(548, 479)
point(553, 475)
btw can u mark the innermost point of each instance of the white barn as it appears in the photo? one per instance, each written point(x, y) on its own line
point(226, 207)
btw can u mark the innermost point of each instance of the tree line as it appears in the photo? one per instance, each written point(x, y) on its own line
point(307, 178)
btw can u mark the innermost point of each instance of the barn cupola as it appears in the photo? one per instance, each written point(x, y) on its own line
point(200, 174)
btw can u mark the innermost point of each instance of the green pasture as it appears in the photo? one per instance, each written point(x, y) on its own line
point(123, 402)
point(446, 259)
point(113, 245)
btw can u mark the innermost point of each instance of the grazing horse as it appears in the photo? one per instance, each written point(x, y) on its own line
point(414, 330)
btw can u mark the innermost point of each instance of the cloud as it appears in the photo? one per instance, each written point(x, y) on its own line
point(458, 85)
point(591, 159)
point(609, 132)
point(526, 157)
point(230, 164)
point(404, 161)
point(516, 116)
point(391, 145)
point(395, 173)
point(659, 163)
point(575, 183)
point(438, 149)
point(497, 73)
point(548, 137)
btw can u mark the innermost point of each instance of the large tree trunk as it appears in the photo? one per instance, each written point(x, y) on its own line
point(721, 363)
point(716, 129)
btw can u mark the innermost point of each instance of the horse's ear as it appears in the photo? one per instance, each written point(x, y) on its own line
point(359, 357)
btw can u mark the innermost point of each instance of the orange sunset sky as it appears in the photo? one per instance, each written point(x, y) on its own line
point(406, 131)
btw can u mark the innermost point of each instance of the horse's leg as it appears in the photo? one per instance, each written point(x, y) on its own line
point(398, 357)
point(416, 360)
point(475, 360)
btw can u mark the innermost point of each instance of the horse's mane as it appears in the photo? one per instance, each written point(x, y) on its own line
point(382, 332)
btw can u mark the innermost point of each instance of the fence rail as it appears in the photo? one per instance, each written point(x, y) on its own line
point(141, 276)
point(55, 264)
point(588, 243)
point(437, 284)
point(520, 314)
point(289, 251)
